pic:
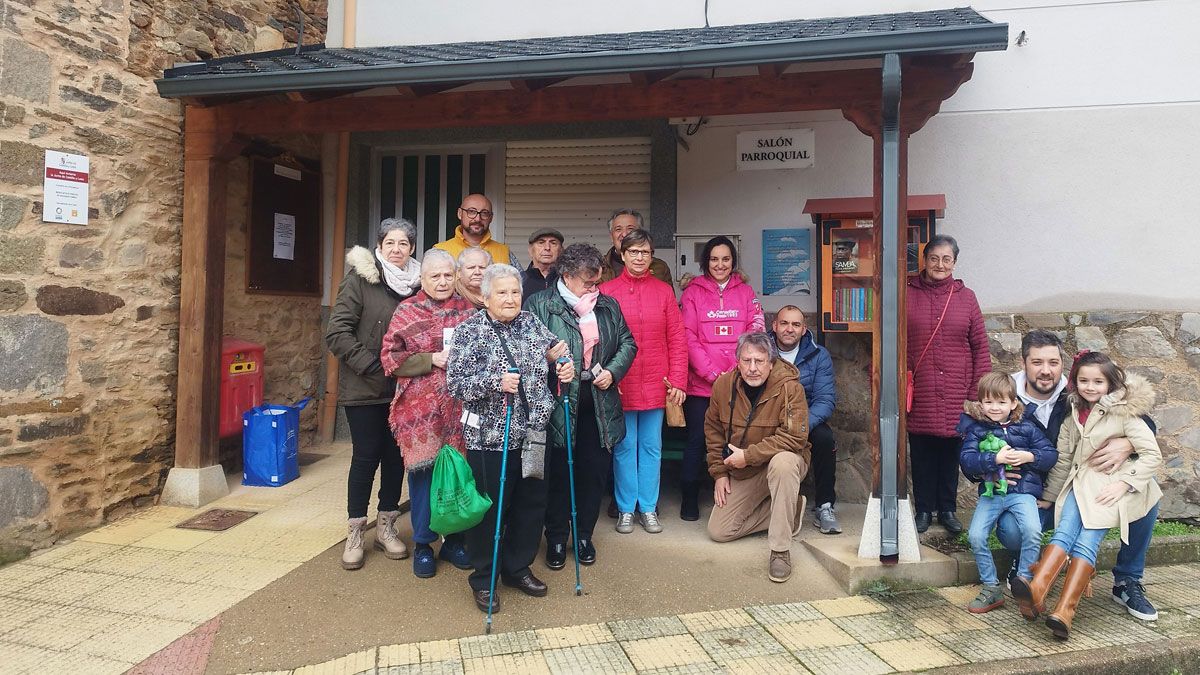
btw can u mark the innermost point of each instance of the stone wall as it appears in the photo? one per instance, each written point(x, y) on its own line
point(288, 326)
point(89, 314)
point(1162, 346)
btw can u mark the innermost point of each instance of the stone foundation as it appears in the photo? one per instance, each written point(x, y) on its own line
point(1162, 346)
point(89, 315)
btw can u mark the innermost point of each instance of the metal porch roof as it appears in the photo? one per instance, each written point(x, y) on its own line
point(317, 68)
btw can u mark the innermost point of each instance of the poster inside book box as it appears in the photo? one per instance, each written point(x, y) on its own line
point(845, 256)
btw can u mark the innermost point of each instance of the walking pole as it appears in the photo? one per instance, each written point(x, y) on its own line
point(508, 412)
point(571, 476)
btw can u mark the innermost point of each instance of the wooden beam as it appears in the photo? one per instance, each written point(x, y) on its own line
point(534, 84)
point(314, 96)
point(771, 70)
point(645, 78)
point(328, 419)
point(202, 287)
point(410, 91)
point(672, 98)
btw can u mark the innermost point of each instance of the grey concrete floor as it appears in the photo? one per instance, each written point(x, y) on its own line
point(319, 611)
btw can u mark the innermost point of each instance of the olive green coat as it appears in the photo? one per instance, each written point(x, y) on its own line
point(614, 353)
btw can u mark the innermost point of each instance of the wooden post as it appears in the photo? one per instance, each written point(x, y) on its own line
point(194, 479)
point(328, 420)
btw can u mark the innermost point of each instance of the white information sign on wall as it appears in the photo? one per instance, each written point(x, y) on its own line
point(776, 149)
point(285, 237)
point(65, 188)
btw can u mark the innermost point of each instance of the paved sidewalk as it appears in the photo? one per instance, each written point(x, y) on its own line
point(142, 594)
point(908, 631)
point(116, 595)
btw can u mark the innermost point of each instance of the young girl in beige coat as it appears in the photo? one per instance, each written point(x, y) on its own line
point(1106, 403)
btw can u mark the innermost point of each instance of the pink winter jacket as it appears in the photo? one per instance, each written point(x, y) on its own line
point(714, 319)
point(957, 357)
point(653, 316)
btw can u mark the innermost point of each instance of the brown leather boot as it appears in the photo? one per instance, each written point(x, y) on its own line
point(1077, 583)
point(1031, 594)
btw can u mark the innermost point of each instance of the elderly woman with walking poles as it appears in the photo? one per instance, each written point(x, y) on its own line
point(600, 342)
point(376, 281)
point(423, 417)
point(658, 375)
point(485, 351)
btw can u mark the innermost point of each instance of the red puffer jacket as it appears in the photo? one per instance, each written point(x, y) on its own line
point(957, 357)
point(654, 319)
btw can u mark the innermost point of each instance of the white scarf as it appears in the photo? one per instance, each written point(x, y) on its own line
point(404, 280)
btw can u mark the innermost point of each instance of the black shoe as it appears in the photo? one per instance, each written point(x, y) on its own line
point(950, 522)
point(587, 551)
point(481, 600)
point(689, 507)
point(556, 556)
point(924, 520)
point(612, 508)
point(528, 584)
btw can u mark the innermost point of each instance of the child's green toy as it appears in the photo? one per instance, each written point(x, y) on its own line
point(997, 483)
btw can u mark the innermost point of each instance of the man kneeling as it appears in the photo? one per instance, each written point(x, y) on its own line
point(756, 429)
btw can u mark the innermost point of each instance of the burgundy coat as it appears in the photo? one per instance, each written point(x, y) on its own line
point(957, 357)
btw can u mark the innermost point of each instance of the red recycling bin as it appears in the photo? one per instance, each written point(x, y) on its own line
point(241, 382)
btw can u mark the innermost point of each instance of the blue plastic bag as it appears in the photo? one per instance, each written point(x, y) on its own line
point(270, 444)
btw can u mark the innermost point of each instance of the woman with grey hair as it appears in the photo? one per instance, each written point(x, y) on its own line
point(471, 264)
point(599, 340)
point(415, 352)
point(376, 281)
point(484, 349)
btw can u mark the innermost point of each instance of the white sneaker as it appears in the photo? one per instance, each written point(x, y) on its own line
point(624, 523)
point(650, 522)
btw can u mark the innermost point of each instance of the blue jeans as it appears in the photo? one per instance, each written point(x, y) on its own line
point(419, 485)
point(1131, 559)
point(1024, 511)
point(1071, 536)
point(636, 461)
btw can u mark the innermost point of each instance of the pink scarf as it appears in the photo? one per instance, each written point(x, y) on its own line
point(589, 328)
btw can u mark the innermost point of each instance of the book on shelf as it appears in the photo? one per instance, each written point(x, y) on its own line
point(853, 304)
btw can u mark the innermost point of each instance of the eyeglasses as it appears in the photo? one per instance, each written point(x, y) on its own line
point(638, 253)
point(946, 260)
point(476, 213)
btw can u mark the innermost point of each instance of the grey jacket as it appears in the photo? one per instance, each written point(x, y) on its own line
point(357, 322)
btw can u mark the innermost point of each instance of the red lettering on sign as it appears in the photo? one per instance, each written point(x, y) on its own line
point(66, 174)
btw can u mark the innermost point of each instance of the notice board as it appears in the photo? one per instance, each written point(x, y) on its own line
point(283, 242)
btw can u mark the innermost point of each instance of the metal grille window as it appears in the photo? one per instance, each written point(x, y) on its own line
point(426, 187)
point(573, 185)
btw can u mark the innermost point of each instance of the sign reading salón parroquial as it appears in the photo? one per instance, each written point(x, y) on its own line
point(776, 149)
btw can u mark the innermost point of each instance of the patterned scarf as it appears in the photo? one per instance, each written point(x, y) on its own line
point(404, 280)
point(588, 326)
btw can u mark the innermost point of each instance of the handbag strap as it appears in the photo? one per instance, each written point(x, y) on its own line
point(512, 362)
point(935, 330)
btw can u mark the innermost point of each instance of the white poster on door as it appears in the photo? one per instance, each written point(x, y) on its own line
point(285, 237)
point(65, 188)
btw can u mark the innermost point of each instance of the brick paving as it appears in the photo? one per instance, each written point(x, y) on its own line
point(145, 597)
point(904, 632)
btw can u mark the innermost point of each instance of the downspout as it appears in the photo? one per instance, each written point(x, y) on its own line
point(337, 267)
point(889, 401)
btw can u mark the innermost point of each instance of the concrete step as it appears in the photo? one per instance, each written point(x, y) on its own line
point(839, 557)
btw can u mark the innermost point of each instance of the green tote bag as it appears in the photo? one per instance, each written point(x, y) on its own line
point(455, 505)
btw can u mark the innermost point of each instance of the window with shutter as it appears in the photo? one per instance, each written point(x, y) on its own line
point(573, 185)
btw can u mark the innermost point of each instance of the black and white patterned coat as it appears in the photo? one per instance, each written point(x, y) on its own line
point(478, 362)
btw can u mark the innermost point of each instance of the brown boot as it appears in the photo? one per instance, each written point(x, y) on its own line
point(1077, 583)
point(1031, 594)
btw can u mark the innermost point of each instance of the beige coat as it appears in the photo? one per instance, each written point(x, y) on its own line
point(1117, 415)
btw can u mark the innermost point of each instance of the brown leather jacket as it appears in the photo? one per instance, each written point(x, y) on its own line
point(778, 423)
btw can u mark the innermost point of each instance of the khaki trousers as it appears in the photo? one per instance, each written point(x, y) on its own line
point(769, 500)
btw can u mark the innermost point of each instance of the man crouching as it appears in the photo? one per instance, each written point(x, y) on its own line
point(756, 430)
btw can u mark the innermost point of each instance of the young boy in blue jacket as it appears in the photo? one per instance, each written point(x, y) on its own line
point(999, 413)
